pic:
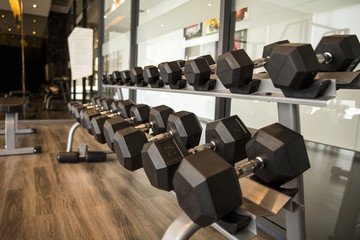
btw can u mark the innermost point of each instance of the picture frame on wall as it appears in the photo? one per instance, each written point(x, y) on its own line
point(193, 31)
point(212, 26)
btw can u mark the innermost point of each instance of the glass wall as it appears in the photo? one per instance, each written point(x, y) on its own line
point(171, 30)
point(116, 47)
point(264, 22)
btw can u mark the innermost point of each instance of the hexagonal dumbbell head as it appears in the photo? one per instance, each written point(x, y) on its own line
point(170, 72)
point(283, 151)
point(86, 117)
point(234, 69)
point(159, 116)
point(97, 126)
point(125, 76)
point(268, 48)
point(136, 74)
point(124, 107)
point(128, 143)
point(160, 160)
point(140, 112)
point(343, 48)
point(209, 59)
point(230, 136)
point(186, 126)
point(151, 74)
point(181, 63)
point(197, 71)
point(111, 126)
point(117, 77)
point(207, 187)
point(106, 103)
point(292, 66)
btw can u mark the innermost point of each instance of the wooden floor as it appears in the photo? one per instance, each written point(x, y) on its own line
point(42, 199)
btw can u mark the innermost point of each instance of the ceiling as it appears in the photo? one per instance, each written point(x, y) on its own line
point(35, 20)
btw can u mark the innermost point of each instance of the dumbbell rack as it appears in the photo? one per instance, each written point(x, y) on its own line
point(288, 114)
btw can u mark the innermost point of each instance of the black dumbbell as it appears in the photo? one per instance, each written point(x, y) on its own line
point(125, 77)
point(276, 155)
point(87, 114)
point(198, 72)
point(83, 155)
point(72, 104)
point(335, 53)
point(142, 119)
point(152, 76)
point(235, 69)
point(293, 67)
point(171, 73)
point(77, 109)
point(120, 107)
point(129, 142)
point(137, 77)
point(116, 75)
point(139, 116)
point(161, 158)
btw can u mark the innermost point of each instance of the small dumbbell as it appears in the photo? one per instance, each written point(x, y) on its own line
point(143, 118)
point(101, 103)
point(125, 76)
point(116, 75)
point(198, 71)
point(128, 142)
point(137, 77)
point(161, 158)
point(276, 155)
point(152, 76)
point(72, 104)
point(235, 69)
point(120, 108)
point(171, 73)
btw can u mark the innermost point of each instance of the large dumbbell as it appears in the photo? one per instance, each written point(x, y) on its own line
point(335, 53)
point(161, 158)
point(129, 142)
point(198, 71)
point(137, 77)
point(235, 69)
point(276, 155)
point(292, 67)
point(152, 76)
point(171, 73)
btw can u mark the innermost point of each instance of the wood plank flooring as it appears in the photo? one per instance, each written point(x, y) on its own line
point(42, 199)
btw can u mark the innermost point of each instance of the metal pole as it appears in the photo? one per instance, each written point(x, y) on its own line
point(84, 24)
point(101, 33)
point(133, 40)
point(295, 222)
point(71, 136)
point(226, 41)
point(22, 48)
